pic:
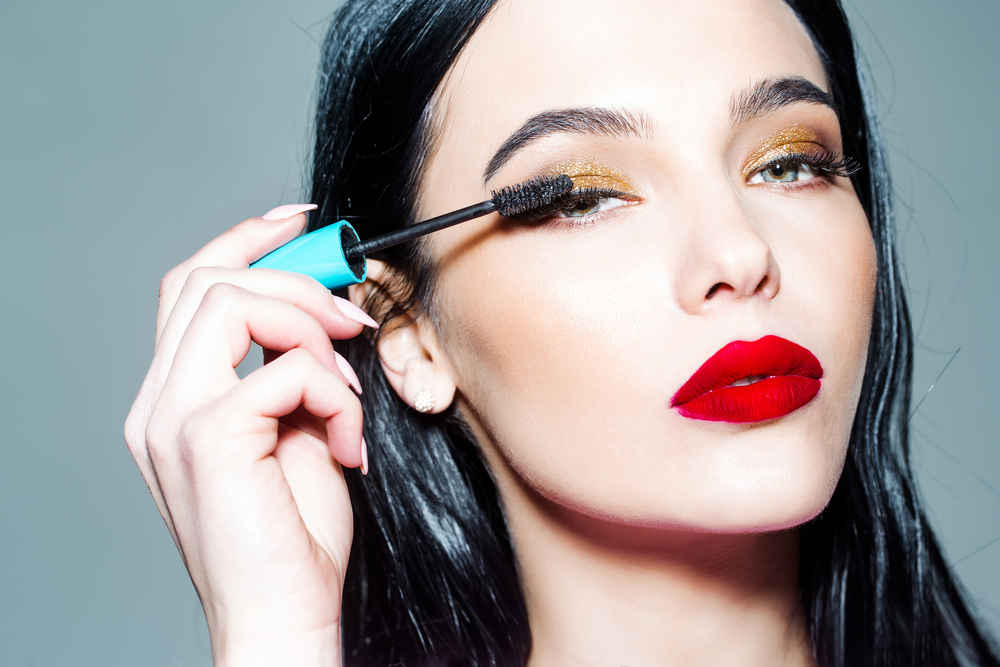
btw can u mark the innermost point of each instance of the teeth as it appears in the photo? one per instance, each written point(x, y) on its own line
point(748, 380)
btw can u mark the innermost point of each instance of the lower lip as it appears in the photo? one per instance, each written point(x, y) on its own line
point(791, 378)
point(770, 398)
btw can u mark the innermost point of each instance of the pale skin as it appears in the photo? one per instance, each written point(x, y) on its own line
point(643, 537)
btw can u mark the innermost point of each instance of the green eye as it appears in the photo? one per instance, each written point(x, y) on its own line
point(788, 171)
point(779, 173)
point(582, 208)
point(590, 205)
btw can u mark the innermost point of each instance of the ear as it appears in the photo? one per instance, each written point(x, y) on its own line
point(411, 355)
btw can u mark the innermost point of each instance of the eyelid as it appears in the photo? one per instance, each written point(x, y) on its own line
point(799, 149)
point(829, 163)
point(795, 140)
point(595, 175)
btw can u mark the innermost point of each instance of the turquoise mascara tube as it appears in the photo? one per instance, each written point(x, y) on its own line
point(335, 256)
point(322, 255)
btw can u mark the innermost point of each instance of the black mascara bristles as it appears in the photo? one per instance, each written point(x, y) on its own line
point(515, 201)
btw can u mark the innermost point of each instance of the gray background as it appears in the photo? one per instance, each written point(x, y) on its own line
point(131, 133)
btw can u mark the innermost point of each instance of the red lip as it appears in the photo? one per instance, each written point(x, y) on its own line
point(792, 378)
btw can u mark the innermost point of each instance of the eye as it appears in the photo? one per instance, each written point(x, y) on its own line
point(582, 208)
point(579, 205)
point(785, 170)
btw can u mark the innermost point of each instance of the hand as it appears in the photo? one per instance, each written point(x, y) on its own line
point(247, 473)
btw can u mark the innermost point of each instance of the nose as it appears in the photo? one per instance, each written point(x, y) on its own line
point(726, 258)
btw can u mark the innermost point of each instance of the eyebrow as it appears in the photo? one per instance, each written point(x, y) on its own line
point(592, 121)
point(772, 94)
point(757, 100)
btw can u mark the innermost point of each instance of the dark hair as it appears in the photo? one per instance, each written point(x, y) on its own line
point(432, 578)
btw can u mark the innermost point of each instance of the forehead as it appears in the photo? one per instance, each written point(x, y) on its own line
point(677, 62)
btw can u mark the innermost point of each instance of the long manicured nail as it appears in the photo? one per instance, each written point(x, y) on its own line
point(287, 211)
point(352, 312)
point(364, 456)
point(352, 377)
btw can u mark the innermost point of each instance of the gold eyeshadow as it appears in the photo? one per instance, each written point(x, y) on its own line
point(796, 139)
point(595, 175)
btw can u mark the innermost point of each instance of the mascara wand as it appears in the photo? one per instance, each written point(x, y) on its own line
point(335, 256)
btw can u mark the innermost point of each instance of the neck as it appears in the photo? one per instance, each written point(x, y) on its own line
point(603, 593)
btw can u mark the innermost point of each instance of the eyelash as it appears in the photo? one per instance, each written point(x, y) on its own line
point(571, 200)
point(828, 162)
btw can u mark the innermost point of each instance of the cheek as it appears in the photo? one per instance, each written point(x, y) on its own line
point(546, 349)
point(832, 277)
point(523, 327)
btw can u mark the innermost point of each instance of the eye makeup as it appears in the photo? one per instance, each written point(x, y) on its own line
point(594, 184)
point(792, 141)
point(594, 175)
point(797, 145)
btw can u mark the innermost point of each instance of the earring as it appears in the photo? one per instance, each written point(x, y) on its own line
point(423, 401)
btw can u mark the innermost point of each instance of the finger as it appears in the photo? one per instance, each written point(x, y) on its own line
point(318, 488)
point(219, 337)
point(295, 379)
point(338, 319)
point(301, 419)
point(235, 248)
point(136, 439)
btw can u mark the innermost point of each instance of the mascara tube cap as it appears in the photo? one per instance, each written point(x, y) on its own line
point(320, 254)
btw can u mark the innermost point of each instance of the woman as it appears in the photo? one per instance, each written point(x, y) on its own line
point(565, 462)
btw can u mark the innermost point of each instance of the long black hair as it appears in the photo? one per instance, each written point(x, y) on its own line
point(432, 578)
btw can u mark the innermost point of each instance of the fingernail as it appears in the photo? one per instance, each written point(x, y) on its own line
point(364, 456)
point(352, 377)
point(352, 312)
point(287, 211)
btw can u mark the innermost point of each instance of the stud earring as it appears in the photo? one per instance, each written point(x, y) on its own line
point(423, 401)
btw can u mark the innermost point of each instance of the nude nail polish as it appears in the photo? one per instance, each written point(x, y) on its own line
point(364, 457)
point(352, 377)
point(287, 211)
point(352, 312)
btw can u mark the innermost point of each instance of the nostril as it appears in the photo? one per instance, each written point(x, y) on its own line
point(766, 285)
point(712, 291)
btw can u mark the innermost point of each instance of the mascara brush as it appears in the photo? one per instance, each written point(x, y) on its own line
point(335, 256)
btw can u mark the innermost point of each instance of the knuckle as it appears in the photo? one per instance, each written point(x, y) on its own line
point(155, 437)
point(308, 283)
point(134, 431)
point(199, 278)
point(137, 421)
point(218, 294)
point(351, 417)
point(172, 280)
point(301, 358)
point(194, 435)
point(190, 433)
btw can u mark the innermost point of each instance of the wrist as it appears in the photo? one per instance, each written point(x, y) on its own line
point(313, 648)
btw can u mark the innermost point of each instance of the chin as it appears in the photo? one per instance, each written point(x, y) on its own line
point(761, 480)
point(752, 504)
point(770, 499)
point(771, 476)
point(768, 517)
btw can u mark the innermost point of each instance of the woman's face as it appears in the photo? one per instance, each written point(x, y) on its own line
point(569, 338)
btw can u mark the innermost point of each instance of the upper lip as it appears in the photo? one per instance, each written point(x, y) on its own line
point(768, 356)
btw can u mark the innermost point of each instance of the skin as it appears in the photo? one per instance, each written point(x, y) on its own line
point(566, 341)
point(642, 537)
